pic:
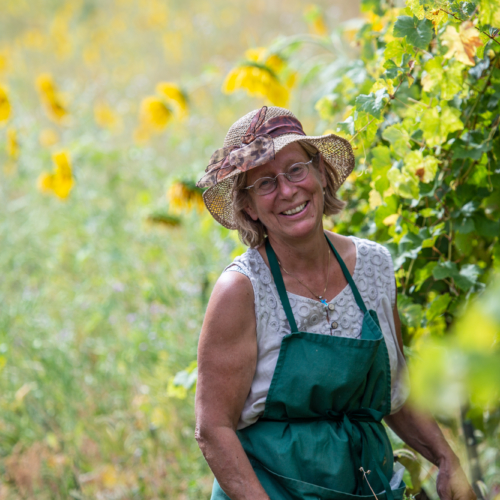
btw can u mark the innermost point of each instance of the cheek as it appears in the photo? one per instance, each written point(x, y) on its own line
point(316, 183)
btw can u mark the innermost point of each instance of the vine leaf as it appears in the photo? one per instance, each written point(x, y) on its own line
point(438, 306)
point(465, 278)
point(437, 125)
point(417, 32)
point(462, 44)
point(346, 126)
point(373, 102)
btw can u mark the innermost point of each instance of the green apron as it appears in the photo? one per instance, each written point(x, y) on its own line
point(323, 413)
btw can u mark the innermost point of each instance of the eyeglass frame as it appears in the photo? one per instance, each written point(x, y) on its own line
point(285, 174)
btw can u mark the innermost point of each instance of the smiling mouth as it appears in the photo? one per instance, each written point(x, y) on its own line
point(295, 210)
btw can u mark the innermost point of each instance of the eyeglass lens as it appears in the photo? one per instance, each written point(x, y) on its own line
point(295, 173)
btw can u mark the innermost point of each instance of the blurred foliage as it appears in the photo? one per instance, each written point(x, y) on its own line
point(115, 107)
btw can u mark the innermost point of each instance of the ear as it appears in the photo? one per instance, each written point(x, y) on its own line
point(250, 210)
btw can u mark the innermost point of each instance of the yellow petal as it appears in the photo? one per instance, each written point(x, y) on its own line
point(5, 107)
point(229, 84)
point(154, 113)
point(255, 54)
point(45, 182)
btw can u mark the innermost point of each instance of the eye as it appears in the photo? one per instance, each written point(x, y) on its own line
point(264, 183)
point(296, 169)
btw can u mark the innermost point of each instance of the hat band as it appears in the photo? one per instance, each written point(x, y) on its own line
point(256, 148)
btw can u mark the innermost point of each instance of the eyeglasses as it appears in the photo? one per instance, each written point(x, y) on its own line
point(295, 173)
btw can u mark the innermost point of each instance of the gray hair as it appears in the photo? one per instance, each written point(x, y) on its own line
point(252, 233)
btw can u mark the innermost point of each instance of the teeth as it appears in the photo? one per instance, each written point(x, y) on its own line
point(295, 210)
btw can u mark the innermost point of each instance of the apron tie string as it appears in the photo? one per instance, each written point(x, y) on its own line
point(352, 419)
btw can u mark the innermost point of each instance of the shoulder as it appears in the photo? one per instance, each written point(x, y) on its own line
point(230, 309)
point(232, 287)
point(346, 247)
point(375, 270)
point(373, 252)
point(343, 244)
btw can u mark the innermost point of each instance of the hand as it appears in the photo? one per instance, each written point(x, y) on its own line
point(452, 484)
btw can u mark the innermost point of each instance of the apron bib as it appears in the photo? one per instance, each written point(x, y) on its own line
point(323, 413)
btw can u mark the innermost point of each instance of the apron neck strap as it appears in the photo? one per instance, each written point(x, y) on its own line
point(280, 285)
point(348, 277)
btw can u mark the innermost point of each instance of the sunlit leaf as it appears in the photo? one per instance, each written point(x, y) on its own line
point(462, 44)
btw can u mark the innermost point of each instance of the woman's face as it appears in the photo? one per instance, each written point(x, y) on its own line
point(273, 209)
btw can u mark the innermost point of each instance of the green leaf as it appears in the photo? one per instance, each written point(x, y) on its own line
point(396, 49)
point(427, 212)
point(471, 145)
point(372, 103)
point(403, 183)
point(470, 208)
point(467, 277)
point(392, 69)
point(411, 314)
point(445, 270)
point(429, 242)
point(326, 106)
point(346, 126)
point(438, 306)
point(437, 125)
point(372, 6)
point(447, 80)
point(390, 207)
point(381, 163)
point(465, 226)
point(425, 168)
point(423, 274)
point(398, 137)
point(487, 227)
point(364, 119)
point(417, 32)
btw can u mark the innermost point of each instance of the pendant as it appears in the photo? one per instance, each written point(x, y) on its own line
point(323, 301)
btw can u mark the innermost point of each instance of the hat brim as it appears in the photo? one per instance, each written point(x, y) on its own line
point(336, 152)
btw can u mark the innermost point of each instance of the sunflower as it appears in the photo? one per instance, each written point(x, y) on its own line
point(174, 96)
point(51, 98)
point(185, 196)
point(60, 181)
point(5, 107)
point(258, 75)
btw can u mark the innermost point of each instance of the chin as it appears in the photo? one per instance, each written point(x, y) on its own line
point(299, 229)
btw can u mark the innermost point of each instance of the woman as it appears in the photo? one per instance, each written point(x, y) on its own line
point(300, 354)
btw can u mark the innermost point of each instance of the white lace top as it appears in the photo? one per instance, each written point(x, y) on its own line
point(374, 277)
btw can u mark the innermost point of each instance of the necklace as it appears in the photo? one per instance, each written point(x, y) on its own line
point(319, 297)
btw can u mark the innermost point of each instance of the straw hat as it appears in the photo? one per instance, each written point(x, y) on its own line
point(253, 141)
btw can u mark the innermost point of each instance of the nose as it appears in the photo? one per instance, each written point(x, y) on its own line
point(286, 187)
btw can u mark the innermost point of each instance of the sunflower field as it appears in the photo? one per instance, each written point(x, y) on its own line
point(109, 112)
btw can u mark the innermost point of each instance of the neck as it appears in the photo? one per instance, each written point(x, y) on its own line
point(301, 255)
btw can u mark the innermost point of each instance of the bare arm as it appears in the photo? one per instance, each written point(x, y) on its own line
point(422, 433)
point(227, 357)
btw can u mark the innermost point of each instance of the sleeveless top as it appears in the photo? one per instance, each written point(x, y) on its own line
point(374, 277)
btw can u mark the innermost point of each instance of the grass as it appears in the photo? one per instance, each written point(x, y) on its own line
point(99, 310)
